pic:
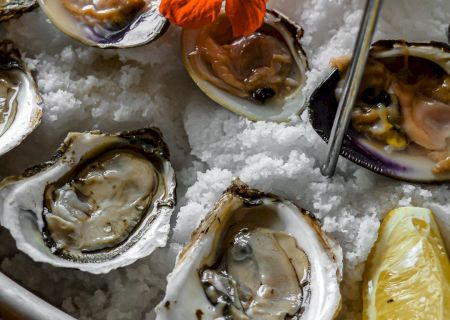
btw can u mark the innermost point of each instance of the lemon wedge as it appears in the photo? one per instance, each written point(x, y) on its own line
point(407, 274)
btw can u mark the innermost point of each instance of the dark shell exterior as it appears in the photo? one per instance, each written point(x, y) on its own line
point(10, 56)
point(322, 107)
point(14, 8)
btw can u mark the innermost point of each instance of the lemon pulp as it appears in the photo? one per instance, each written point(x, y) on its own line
point(407, 274)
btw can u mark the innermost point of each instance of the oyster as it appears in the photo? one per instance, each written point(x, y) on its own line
point(255, 256)
point(401, 120)
point(260, 76)
point(13, 8)
point(102, 202)
point(107, 23)
point(20, 101)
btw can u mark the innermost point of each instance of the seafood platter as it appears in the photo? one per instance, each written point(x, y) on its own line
point(160, 159)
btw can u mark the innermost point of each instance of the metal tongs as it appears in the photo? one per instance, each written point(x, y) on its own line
point(18, 303)
point(352, 84)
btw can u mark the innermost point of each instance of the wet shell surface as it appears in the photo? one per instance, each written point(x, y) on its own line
point(14, 8)
point(107, 24)
point(405, 162)
point(255, 256)
point(259, 77)
point(20, 102)
point(102, 202)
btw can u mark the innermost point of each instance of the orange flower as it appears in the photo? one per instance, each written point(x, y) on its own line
point(246, 16)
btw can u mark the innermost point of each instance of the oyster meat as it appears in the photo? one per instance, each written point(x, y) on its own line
point(401, 118)
point(108, 23)
point(14, 8)
point(259, 76)
point(104, 201)
point(20, 101)
point(255, 256)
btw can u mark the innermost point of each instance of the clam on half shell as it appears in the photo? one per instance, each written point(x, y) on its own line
point(260, 76)
point(14, 8)
point(102, 202)
point(255, 256)
point(403, 130)
point(20, 102)
point(106, 23)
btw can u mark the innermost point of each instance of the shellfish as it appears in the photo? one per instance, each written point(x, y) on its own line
point(255, 256)
point(107, 23)
point(401, 120)
point(260, 76)
point(20, 101)
point(102, 202)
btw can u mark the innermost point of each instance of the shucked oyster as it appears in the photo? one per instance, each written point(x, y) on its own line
point(401, 120)
point(259, 76)
point(255, 256)
point(20, 101)
point(107, 23)
point(103, 202)
point(13, 8)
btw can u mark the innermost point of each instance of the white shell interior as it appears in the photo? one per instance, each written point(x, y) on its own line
point(185, 294)
point(21, 207)
point(29, 110)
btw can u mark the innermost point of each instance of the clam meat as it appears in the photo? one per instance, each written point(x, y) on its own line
point(107, 23)
point(402, 113)
point(104, 201)
point(255, 256)
point(259, 76)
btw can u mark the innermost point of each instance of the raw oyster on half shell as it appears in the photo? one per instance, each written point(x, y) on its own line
point(255, 256)
point(260, 76)
point(20, 101)
point(102, 202)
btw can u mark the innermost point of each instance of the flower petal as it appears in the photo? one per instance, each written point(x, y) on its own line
point(191, 13)
point(246, 16)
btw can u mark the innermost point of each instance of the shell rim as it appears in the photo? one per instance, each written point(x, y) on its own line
point(10, 57)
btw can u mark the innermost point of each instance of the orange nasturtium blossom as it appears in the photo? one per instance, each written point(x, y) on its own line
point(245, 16)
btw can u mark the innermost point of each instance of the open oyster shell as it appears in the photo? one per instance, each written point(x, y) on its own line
point(410, 164)
point(14, 8)
point(20, 102)
point(255, 256)
point(102, 202)
point(271, 67)
point(106, 23)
